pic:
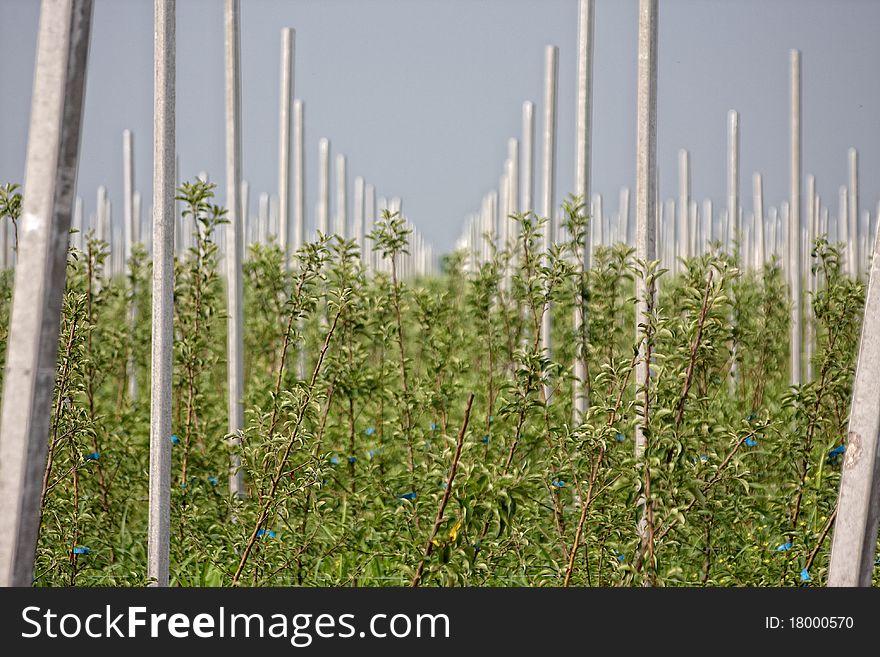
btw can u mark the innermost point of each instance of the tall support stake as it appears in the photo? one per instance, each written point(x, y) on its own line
point(323, 223)
point(358, 232)
point(733, 179)
point(288, 40)
point(131, 230)
point(583, 147)
point(853, 216)
point(341, 197)
point(646, 181)
point(854, 542)
point(513, 201)
point(758, 210)
point(527, 189)
point(794, 220)
point(369, 220)
point(299, 172)
point(234, 290)
point(163, 290)
point(50, 179)
point(807, 275)
point(548, 167)
point(684, 196)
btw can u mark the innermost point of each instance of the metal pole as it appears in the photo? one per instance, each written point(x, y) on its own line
point(369, 220)
point(288, 39)
point(341, 196)
point(758, 209)
point(50, 175)
point(854, 541)
point(684, 187)
point(548, 167)
point(583, 148)
point(234, 286)
point(358, 232)
point(853, 216)
point(527, 189)
point(163, 291)
point(646, 180)
point(323, 186)
point(794, 223)
point(299, 172)
point(733, 180)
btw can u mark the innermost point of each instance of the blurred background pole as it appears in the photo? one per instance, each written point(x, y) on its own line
point(323, 222)
point(794, 219)
point(583, 151)
point(646, 181)
point(234, 248)
point(288, 36)
point(50, 177)
point(131, 236)
point(299, 194)
point(548, 166)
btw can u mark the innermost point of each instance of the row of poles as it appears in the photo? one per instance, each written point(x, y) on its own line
point(52, 159)
point(50, 210)
point(678, 229)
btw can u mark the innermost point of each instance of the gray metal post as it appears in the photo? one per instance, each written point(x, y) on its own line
point(527, 189)
point(323, 186)
point(234, 284)
point(288, 39)
point(341, 197)
point(583, 146)
point(128, 190)
point(50, 176)
point(794, 223)
point(853, 215)
point(684, 195)
point(299, 172)
point(163, 291)
point(758, 209)
point(548, 168)
point(646, 178)
point(733, 175)
point(369, 220)
point(358, 229)
point(854, 541)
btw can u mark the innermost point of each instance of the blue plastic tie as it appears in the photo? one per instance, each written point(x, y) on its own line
point(408, 496)
point(94, 456)
point(784, 547)
point(213, 480)
point(485, 440)
point(334, 460)
point(81, 550)
point(751, 442)
point(175, 440)
point(352, 459)
point(619, 437)
point(805, 576)
point(370, 431)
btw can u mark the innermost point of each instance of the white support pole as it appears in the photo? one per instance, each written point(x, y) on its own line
point(758, 210)
point(707, 222)
point(369, 220)
point(288, 41)
point(128, 190)
point(684, 196)
point(163, 291)
point(513, 200)
point(323, 223)
point(854, 542)
point(50, 174)
point(234, 287)
point(77, 226)
point(624, 213)
point(853, 215)
point(358, 232)
point(527, 188)
point(548, 168)
point(299, 172)
point(794, 223)
point(734, 227)
point(341, 197)
point(807, 275)
point(646, 182)
point(583, 151)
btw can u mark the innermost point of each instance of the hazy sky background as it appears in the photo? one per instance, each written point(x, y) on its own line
point(422, 95)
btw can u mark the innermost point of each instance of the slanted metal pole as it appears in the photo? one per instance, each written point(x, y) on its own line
point(288, 36)
point(646, 181)
point(163, 291)
point(50, 178)
point(583, 148)
point(854, 541)
point(234, 285)
point(794, 221)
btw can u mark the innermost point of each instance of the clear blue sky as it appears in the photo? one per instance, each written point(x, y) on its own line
point(421, 95)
